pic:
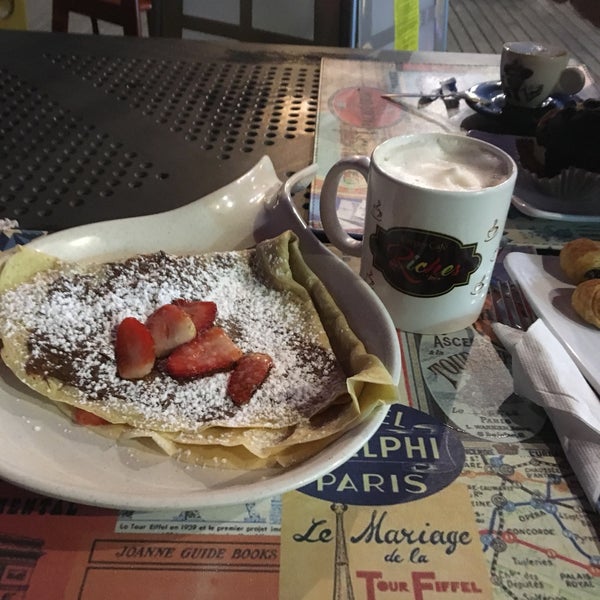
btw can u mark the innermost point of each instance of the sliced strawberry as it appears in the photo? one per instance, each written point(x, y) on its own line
point(202, 313)
point(134, 349)
point(83, 417)
point(170, 327)
point(209, 352)
point(249, 373)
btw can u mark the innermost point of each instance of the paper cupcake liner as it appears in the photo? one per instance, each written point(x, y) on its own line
point(571, 185)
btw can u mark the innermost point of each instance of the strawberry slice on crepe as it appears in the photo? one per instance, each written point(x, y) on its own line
point(202, 313)
point(134, 349)
point(84, 417)
point(211, 351)
point(170, 327)
point(249, 373)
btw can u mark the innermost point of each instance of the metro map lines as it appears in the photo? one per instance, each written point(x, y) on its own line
point(540, 542)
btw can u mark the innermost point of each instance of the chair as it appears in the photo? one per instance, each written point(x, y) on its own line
point(126, 13)
point(333, 21)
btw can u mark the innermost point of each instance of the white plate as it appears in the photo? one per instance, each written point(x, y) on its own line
point(531, 201)
point(549, 294)
point(42, 450)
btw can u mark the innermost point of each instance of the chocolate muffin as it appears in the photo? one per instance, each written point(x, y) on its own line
point(570, 137)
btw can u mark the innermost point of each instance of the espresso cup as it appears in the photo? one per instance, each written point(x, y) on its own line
point(435, 212)
point(531, 72)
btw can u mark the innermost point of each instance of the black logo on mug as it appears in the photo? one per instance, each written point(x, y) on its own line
point(422, 263)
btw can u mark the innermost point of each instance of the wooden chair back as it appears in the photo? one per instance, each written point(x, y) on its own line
point(126, 13)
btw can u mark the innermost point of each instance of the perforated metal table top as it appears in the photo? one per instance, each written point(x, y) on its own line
point(95, 128)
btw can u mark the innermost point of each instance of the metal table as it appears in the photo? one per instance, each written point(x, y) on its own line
point(95, 128)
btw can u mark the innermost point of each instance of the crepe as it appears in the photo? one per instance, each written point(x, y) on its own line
point(57, 329)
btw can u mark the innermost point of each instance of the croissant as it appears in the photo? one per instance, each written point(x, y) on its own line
point(586, 301)
point(580, 260)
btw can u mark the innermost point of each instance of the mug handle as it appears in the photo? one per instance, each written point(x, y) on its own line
point(572, 80)
point(328, 203)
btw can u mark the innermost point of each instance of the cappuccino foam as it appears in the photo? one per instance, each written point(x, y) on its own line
point(534, 49)
point(452, 164)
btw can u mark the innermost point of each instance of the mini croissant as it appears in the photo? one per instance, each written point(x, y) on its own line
point(580, 260)
point(586, 301)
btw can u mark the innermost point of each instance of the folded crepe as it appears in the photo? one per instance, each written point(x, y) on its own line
point(57, 327)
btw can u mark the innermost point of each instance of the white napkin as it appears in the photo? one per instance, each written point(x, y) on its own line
point(544, 373)
point(8, 224)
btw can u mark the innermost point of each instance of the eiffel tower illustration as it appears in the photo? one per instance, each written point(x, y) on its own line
point(342, 582)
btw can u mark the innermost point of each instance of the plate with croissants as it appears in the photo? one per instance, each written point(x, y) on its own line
point(565, 292)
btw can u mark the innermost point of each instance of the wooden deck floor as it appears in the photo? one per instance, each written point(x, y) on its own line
point(483, 25)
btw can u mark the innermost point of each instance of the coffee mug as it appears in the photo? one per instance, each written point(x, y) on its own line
point(531, 72)
point(435, 212)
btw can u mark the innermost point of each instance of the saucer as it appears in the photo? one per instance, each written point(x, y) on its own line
point(494, 103)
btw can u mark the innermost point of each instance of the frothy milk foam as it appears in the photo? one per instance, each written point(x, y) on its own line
point(443, 164)
point(535, 49)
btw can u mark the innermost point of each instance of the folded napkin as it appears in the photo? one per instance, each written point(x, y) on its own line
point(11, 235)
point(544, 373)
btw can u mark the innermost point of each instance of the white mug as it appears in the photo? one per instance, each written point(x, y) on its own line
point(435, 213)
point(531, 72)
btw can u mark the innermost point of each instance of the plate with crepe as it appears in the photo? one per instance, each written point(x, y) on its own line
point(79, 463)
point(549, 292)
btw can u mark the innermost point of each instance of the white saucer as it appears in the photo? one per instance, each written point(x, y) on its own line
point(494, 102)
